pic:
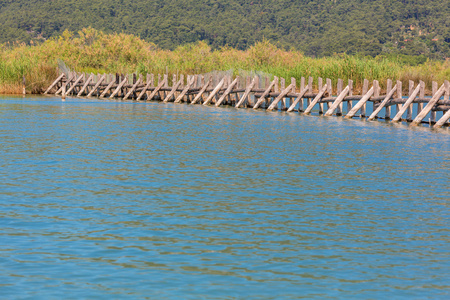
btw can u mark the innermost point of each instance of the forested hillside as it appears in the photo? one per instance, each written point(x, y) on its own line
point(317, 28)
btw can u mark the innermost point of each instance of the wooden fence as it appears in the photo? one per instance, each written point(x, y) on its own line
point(399, 104)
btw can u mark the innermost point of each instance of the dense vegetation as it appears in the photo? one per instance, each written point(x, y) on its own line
point(420, 28)
point(94, 51)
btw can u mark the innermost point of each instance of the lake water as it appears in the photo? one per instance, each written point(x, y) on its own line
point(123, 200)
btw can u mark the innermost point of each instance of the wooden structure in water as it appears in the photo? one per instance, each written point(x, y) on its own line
point(397, 103)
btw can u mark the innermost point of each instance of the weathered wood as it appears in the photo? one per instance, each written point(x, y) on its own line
point(282, 94)
point(316, 99)
point(434, 88)
point(85, 85)
point(132, 88)
point(429, 106)
point(60, 77)
point(75, 84)
point(399, 95)
point(297, 99)
point(405, 106)
point(320, 83)
point(387, 110)
point(266, 93)
point(174, 89)
point(246, 93)
point(410, 107)
point(329, 91)
point(383, 103)
point(336, 102)
point(156, 90)
point(340, 85)
point(421, 96)
point(310, 90)
point(147, 86)
point(350, 93)
point(302, 87)
point(365, 88)
point(227, 91)
point(200, 93)
point(214, 92)
point(360, 104)
point(119, 87)
point(64, 85)
point(282, 87)
point(108, 87)
point(185, 90)
point(99, 82)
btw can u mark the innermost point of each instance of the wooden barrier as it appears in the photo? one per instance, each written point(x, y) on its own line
point(269, 94)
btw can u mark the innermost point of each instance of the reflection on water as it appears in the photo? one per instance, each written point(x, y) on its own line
point(126, 200)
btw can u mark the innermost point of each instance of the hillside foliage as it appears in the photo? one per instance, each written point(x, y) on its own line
point(419, 28)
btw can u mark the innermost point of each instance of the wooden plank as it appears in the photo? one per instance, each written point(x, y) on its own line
point(85, 85)
point(383, 103)
point(173, 90)
point(107, 88)
point(310, 90)
point(101, 79)
point(446, 115)
point(297, 99)
point(360, 103)
point(227, 91)
point(132, 88)
point(214, 92)
point(429, 106)
point(434, 88)
point(266, 92)
point(283, 87)
point(125, 80)
point(156, 90)
point(200, 93)
point(186, 89)
point(147, 86)
point(322, 91)
point(246, 93)
point(75, 84)
point(302, 87)
point(336, 102)
point(60, 77)
point(294, 82)
point(282, 94)
point(405, 106)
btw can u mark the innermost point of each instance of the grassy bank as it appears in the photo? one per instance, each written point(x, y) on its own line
point(97, 52)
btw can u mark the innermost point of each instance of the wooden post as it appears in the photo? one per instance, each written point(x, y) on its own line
point(405, 106)
point(350, 93)
point(266, 93)
point(125, 80)
point(283, 87)
point(156, 90)
point(200, 93)
point(387, 114)
point(150, 79)
point(64, 85)
point(364, 91)
point(132, 88)
point(320, 84)
point(60, 77)
point(294, 83)
point(101, 79)
point(360, 103)
point(302, 102)
point(75, 84)
point(421, 96)
point(175, 85)
point(410, 107)
point(227, 91)
point(384, 102)
point(340, 84)
point(322, 91)
point(107, 89)
point(329, 91)
point(186, 89)
point(446, 115)
point(434, 88)
point(283, 93)
point(399, 95)
point(429, 106)
point(85, 85)
point(247, 92)
point(336, 102)
point(310, 90)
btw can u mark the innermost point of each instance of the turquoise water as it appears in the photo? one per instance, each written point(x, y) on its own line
point(123, 200)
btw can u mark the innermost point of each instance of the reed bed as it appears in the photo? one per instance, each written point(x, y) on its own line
point(94, 51)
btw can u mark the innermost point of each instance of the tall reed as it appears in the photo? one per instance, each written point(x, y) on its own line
point(94, 51)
